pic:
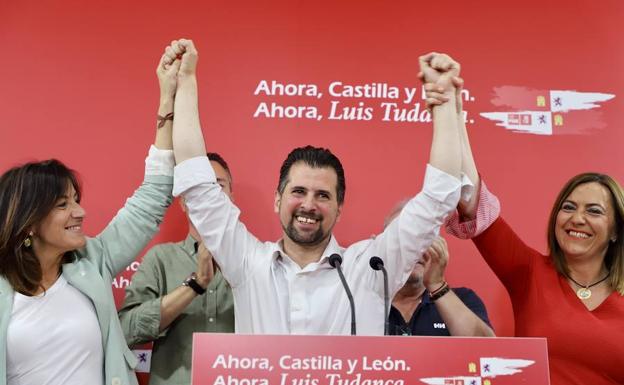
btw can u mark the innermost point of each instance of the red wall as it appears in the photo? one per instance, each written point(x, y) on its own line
point(79, 84)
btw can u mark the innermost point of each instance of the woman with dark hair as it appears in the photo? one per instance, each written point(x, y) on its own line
point(58, 321)
point(574, 295)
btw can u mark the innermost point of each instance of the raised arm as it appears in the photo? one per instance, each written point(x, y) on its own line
point(212, 213)
point(467, 207)
point(167, 80)
point(137, 222)
point(445, 152)
point(436, 98)
point(188, 140)
point(418, 224)
point(146, 310)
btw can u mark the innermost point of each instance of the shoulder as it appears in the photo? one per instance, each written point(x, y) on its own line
point(164, 248)
point(465, 293)
point(359, 246)
point(168, 252)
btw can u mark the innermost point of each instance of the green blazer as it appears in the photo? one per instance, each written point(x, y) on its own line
point(96, 266)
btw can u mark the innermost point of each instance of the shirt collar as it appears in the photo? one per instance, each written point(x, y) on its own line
point(331, 248)
point(425, 298)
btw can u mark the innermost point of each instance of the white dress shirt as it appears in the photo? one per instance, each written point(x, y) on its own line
point(273, 295)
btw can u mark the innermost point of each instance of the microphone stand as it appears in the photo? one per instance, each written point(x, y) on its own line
point(377, 264)
point(335, 260)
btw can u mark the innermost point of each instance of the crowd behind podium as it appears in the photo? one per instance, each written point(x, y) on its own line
point(59, 324)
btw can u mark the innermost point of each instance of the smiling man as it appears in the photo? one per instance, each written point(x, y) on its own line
point(289, 286)
point(177, 291)
point(309, 196)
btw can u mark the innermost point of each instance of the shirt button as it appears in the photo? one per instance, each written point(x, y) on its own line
point(211, 291)
point(210, 319)
point(116, 381)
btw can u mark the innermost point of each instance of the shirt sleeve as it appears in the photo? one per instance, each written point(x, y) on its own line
point(507, 255)
point(159, 162)
point(488, 209)
point(404, 240)
point(140, 313)
point(216, 219)
point(137, 222)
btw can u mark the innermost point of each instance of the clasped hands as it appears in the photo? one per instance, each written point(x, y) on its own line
point(178, 61)
point(440, 75)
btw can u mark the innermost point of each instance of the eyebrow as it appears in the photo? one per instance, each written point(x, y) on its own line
point(68, 197)
point(307, 189)
point(592, 204)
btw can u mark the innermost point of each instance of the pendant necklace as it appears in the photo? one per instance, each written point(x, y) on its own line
point(583, 292)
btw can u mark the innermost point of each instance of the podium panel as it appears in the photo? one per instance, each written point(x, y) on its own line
point(236, 359)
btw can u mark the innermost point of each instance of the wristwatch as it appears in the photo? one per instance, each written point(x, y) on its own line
point(191, 282)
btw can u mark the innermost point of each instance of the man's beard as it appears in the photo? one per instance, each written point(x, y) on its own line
point(306, 240)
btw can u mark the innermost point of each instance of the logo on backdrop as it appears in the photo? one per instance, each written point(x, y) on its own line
point(544, 112)
point(490, 368)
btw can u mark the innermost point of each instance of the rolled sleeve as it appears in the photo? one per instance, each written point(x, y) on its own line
point(442, 187)
point(143, 323)
point(159, 162)
point(140, 312)
point(488, 209)
point(192, 172)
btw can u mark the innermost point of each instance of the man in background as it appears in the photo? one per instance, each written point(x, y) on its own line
point(178, 290)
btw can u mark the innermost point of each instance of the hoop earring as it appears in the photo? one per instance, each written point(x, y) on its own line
point(28, 241)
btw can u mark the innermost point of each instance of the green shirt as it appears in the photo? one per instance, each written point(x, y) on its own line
point(164, 268)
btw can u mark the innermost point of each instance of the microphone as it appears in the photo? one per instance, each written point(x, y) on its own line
point(377, 264)
point(335, 260)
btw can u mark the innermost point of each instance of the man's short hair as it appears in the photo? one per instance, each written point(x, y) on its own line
point(315, 157)
point(213, 156)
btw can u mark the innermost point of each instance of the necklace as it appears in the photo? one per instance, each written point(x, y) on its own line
point(583, 292)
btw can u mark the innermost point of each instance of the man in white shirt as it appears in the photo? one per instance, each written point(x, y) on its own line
point(289, 286)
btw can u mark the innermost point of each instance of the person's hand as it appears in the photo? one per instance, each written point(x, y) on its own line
point(440, 69)
point(435, 259)
point(205, 266)
point(167, 72)
point(183, 50)
point(189, 58)
point(434, 94)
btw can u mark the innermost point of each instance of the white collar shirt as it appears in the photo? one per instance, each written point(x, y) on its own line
point(274, 295)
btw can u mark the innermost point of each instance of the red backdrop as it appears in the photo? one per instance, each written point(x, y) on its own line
point(79, 84)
